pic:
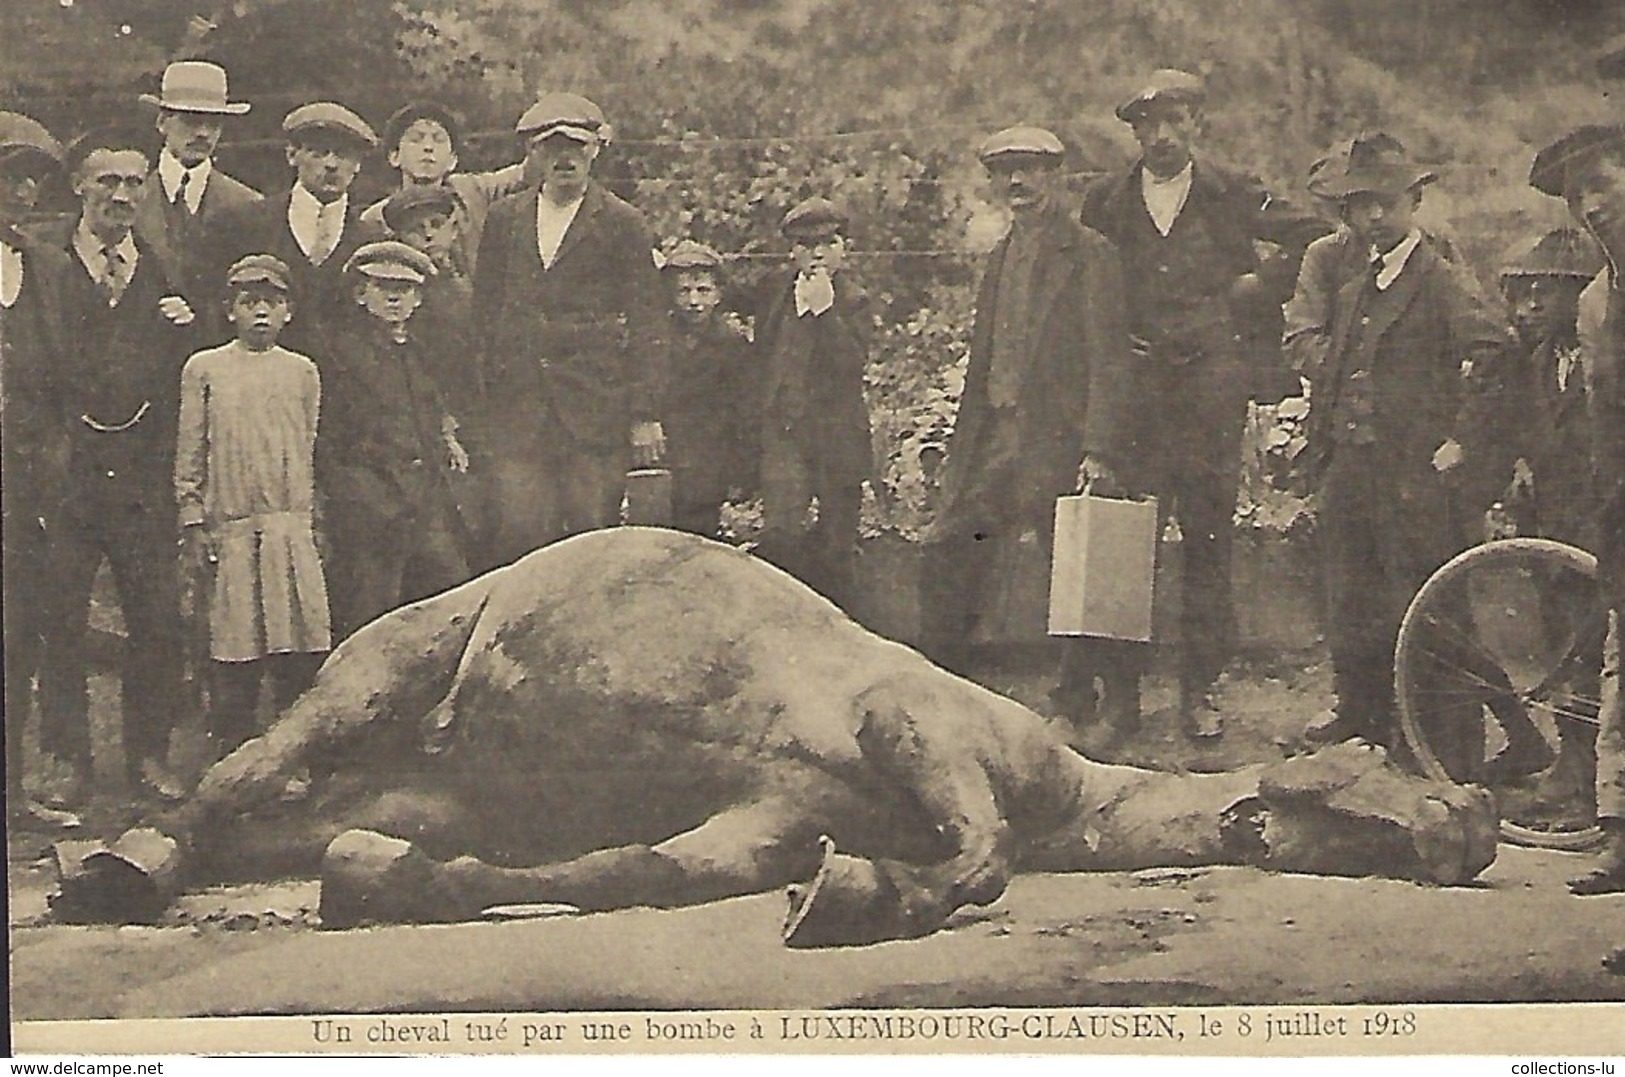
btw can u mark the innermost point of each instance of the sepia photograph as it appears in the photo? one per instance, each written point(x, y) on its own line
point(814, 526)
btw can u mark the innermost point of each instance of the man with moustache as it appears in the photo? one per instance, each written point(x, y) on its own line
point(574, 331)
point(1404, 360)
point(1049, 315)
point(191, 196)
point(117, 403)
point(32, 342)
point(315, 226)
point(1185, 229)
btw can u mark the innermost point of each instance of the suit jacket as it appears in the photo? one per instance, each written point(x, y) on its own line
point(1076, 330)
point(578, 349)
point(1392, 380)
point(710, 444)
point(322, 300)
point(158, 225)
point(33, 345)
point(1607, 407)
point(118, 393)
point(829, 418)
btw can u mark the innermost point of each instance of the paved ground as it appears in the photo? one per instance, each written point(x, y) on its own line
point(1226, 935)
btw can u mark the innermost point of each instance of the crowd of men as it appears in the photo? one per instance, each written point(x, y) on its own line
point(287, 414)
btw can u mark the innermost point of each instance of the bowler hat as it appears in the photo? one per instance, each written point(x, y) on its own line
point(22, 134)
point(1166, 84)
point(400, 205)
point(690, 254)
point(195, 86)
point(391, 259)
point(258, 269)
point(1562, 252)
point(407, 115)
point(567, 114)
point(1554, 165)
point(814, 218)
point(1021, 141)
point(1372, 162)
point(327, 115)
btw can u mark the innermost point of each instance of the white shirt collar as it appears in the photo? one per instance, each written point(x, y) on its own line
point(1165, 198)
point(89, 247)
point(1395, 259)
point(305, 213)
point(11, 274)
point(552, 224)
point(170, 171)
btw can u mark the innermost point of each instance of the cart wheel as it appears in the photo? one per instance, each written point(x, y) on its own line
point(1497, 675)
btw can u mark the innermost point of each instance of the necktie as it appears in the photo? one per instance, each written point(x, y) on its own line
point(182, 190)
point(115, 274)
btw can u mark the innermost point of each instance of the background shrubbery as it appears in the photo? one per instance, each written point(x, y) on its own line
point(728, 111)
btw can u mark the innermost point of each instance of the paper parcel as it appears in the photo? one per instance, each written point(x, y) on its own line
point(1103, 568)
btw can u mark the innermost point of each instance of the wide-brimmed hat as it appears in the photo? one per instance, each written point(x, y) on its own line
point(24, 134)
point(1372, 162)
point(195, 86)
point(1166, 84)
point(567, 114)
point(1562, 252)
point(1022, 141)
point(1554, 165)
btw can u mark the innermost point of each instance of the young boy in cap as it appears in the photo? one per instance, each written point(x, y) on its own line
point(423, 141)
point(815, 433)
point(191, 197)
point(1586, 168)
point(33, 339)
point(1049, 317)
point(387, 448)
point(245, 490)
point(1550, 495)
point(574, 336)
point(709, 444)
point(1185, 229)
point(316, 225)
point(1403, 357)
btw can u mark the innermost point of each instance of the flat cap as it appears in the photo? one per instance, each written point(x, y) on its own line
point(330, 116)
point(690, 254)
point(19, 134)
point(567, 114)
point(390, 259)
point(258, 269)
point(400, 205)
point(1562, 252)
point(1166, 84)
point(1372, 162)
point(408, 114)
point(1554, 165)
point(1021, 141)
point(814, 218)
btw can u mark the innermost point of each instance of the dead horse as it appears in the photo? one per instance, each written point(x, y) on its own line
point(658, 719)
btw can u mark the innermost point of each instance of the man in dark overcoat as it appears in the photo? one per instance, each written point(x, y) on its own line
point(130, 331)
point(1185, 229)
point(1049, 315)
point(574, 334)
point(315, 226)
point(1404, 361)
point(189, 196)
point(33, 339)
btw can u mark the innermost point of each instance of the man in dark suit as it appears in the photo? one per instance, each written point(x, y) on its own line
point(32, 343)
point(118, 398)
point(815, 438)
point(315, 226)
point(1049, 314)
point(190, 196)
point(1185, 230)
point(574, 336)
point(1404, 363)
